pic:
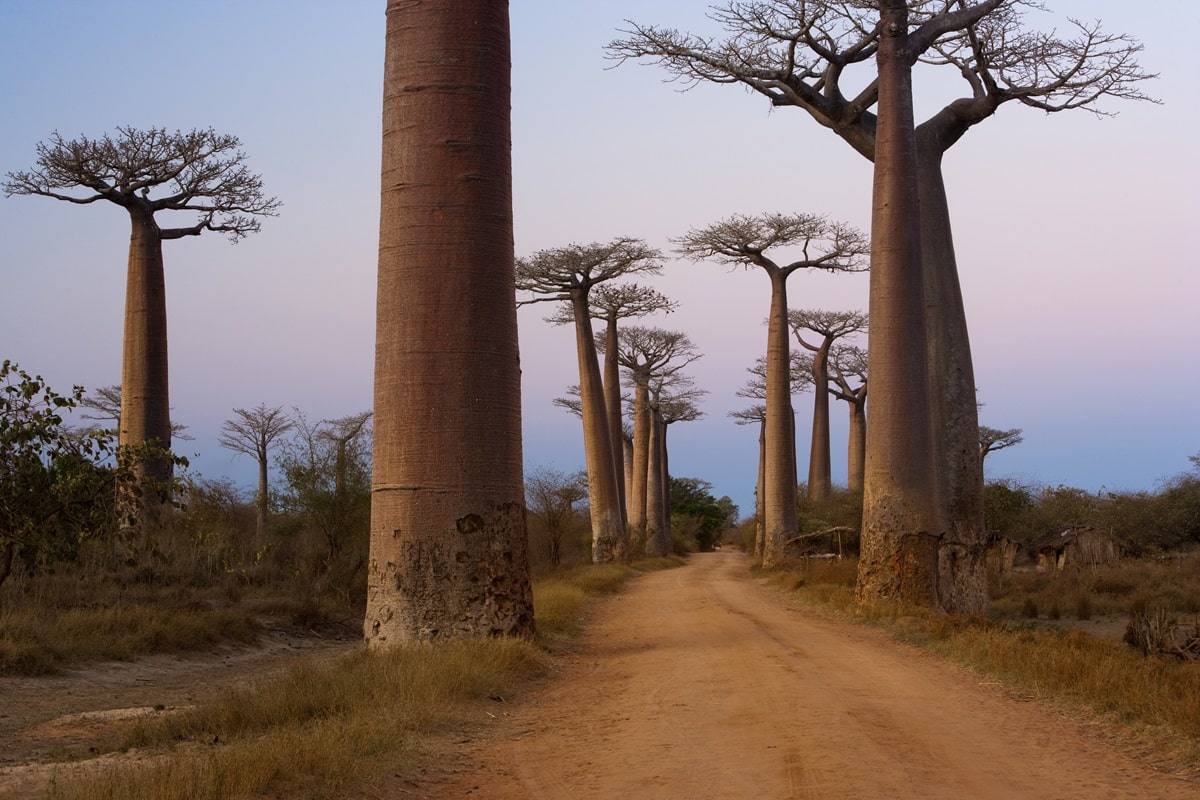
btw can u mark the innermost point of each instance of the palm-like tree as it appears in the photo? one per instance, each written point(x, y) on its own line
point(448, 543)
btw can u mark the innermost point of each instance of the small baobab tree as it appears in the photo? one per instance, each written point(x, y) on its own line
point(648, 354)
point(568, 275)
point(993, 439)
point(613, 303)
point(848, 373)
point(813, 242)
point(151, 174)
point(449, 551)
point(672, 400)
point(829, 326)
point(253, 432)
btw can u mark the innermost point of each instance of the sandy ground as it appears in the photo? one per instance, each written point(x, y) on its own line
point(695, 683)
point(700, 683)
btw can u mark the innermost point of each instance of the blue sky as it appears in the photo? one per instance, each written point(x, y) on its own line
point(1075, 235)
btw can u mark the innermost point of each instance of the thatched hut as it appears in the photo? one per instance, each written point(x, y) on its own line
point(1076, 548)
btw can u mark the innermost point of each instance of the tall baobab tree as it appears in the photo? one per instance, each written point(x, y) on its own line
point(252, 432)
point(847, 367)
point(449, 553)
point(568, 275)
point(613, 303)
point(648, 354)
point(802, 55)
point(151, 173)
point(901, 530)
point(815, 243)
point(830, 326)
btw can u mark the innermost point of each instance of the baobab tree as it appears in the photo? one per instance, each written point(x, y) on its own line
point(449, 554)
point(647, 354)
point(800, 376)
point(568, 275)
point(993, 439)
point(830, 326)
point(802, 55)
point(815, 243)
point(672, 400)
point(613, 303)
point(901, 527)
point(848, 367)
point(151, 173)
point(253, 432)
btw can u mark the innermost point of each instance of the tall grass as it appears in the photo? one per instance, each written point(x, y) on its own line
point(325, 729)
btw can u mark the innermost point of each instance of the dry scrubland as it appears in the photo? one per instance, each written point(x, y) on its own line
point(336, 726)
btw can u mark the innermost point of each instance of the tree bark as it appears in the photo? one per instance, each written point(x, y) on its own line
point(899, 554)
point(962, 571)
point(609, 541)
point(145, 399)
point(820, 468)
point(264, 500)
point(780, 464)
point(448, 540)
point(657, 543)
point(856, 447)
point(760, 523)
point(612, 405)
point(642, 425)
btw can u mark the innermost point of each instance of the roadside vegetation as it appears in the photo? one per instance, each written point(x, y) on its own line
point(1110, 640)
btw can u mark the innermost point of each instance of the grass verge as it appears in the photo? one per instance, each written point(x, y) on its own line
point(1156, 699)
point(328, 729)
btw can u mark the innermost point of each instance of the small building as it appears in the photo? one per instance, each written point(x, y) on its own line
point(1076, 548)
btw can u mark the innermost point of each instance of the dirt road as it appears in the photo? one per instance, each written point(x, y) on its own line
point(699, 683)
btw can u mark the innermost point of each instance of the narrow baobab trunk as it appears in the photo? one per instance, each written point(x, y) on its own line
point(899, 534)
point(760, 491)
point(820, 467)
point(612, 405)
point(145, 402)
point(642, 426)
point(263, 500)
point(962, 555)
point(657, 535)
point(856, 449)
point(779, 499)
point(448, 542)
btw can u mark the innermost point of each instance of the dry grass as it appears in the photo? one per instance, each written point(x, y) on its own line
point(1156, 697)
point(329, 729)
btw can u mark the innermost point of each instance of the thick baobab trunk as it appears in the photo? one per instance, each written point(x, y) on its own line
point(820, 468)
point(899, 556)
point(608, 529)
point(612, 406)
point(779, 494)
point(448, 542)
point(145, 402)
point(962, 552)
